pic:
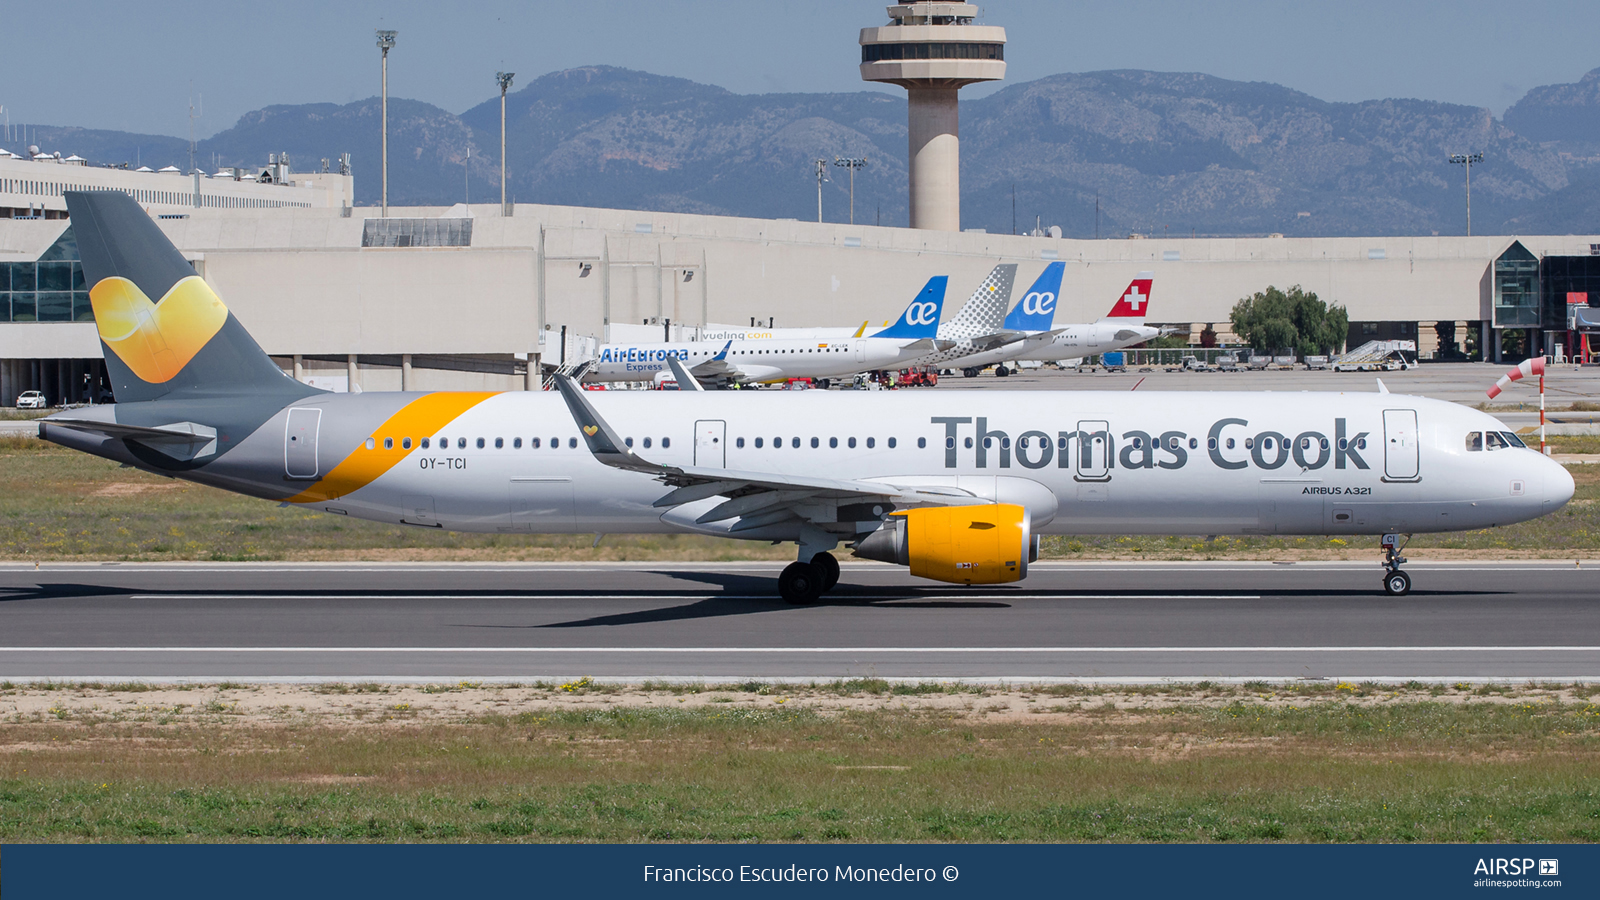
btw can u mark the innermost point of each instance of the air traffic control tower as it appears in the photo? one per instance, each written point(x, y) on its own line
point(932, 49)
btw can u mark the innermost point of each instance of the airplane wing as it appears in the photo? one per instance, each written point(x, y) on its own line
point(717, 369)
point(686, 382)
point(756, 498)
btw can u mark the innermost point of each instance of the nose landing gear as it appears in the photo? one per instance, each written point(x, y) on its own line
point(1395, 582)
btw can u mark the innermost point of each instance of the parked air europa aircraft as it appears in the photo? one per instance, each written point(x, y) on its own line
point(955, 485)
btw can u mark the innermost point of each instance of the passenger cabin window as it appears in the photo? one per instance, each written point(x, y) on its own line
point(499, 443)
point(738, 442)
point(461, 443)
point(405, 443)
point(667, 442)
point(516, 443)
point(1474, 441)
point(572, 443)
point(424, 443)
point(388, 443)
point(480, 443)
point(758, 443)
point(533, 443)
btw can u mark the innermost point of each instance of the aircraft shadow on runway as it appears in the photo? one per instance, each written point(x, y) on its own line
point(747, 596)
point(67, 591)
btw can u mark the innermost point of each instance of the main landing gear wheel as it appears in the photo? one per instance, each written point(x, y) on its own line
point(828, 567)
point(969, 373)
point(1001, 371)
point(1396, 583)
point(800, 583)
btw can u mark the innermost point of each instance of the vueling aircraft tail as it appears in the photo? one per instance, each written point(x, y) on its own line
point(921, 319)
point(1135, 300)
point(164, 332)
point(1037, 308)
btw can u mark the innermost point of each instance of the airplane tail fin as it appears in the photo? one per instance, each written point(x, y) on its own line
point(1134, 304)
point(984, 311)
point(163, 331)
point(1037, 308)
point(921, 318)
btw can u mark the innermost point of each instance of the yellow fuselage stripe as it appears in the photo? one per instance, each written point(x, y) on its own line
point(422, 417)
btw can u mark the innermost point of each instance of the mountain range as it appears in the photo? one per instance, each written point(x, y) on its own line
point(1104, 153)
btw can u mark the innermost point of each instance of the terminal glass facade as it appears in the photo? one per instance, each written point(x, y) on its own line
point(1565, 282)
point(1516, 288)
point(51, 289)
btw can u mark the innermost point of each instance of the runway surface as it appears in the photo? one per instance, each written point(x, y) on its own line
point(722, 622)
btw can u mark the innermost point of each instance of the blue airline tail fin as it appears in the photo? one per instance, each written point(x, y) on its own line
point(1037, 308)
point(921, 318)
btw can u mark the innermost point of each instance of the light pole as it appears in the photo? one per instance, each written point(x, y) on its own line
point(822, 175)
point(1461, 159)
point(852, 165)
point(385, 44)
point(504, 80)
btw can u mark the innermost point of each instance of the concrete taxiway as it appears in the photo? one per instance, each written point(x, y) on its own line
point(719, 622)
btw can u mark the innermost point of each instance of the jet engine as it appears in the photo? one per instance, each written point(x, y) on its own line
point(990, 544)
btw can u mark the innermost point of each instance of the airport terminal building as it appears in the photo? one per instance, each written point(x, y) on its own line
point(467, 297)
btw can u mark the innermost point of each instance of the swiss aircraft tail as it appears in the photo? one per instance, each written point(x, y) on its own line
point(921, 318)
point(1037, 308)
point(163, 331)
point(1134, 304)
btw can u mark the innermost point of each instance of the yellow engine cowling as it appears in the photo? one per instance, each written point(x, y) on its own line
point(990, 544)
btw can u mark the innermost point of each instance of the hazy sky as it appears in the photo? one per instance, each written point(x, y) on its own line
point(129, 66)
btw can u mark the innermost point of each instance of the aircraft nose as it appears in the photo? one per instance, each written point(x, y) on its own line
point(1558, 485)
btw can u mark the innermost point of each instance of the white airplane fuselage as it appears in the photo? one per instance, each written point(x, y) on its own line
point(1091, 463)
point(766, 359)
point(1072, 342)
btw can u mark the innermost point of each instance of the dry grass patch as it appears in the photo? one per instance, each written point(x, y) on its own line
point(853, 761)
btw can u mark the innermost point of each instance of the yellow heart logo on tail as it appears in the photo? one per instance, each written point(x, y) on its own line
point(591, 430)
point(156, 340)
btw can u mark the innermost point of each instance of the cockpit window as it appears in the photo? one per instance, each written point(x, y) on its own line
point(1474, 441)
point(1512, 440)
point(1494, 441)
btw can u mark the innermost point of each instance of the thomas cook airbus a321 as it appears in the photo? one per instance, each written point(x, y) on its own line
point(956, 486)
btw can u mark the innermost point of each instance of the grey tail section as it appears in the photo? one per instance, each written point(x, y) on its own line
point(117, 239)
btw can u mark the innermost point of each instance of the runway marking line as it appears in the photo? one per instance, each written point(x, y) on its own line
point(645, 595)
point(561, 650)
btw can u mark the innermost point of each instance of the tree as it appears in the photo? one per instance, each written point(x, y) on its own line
point(1278, 321)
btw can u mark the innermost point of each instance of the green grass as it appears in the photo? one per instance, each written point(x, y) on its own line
point(1567, 443)
point(1327, 772)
